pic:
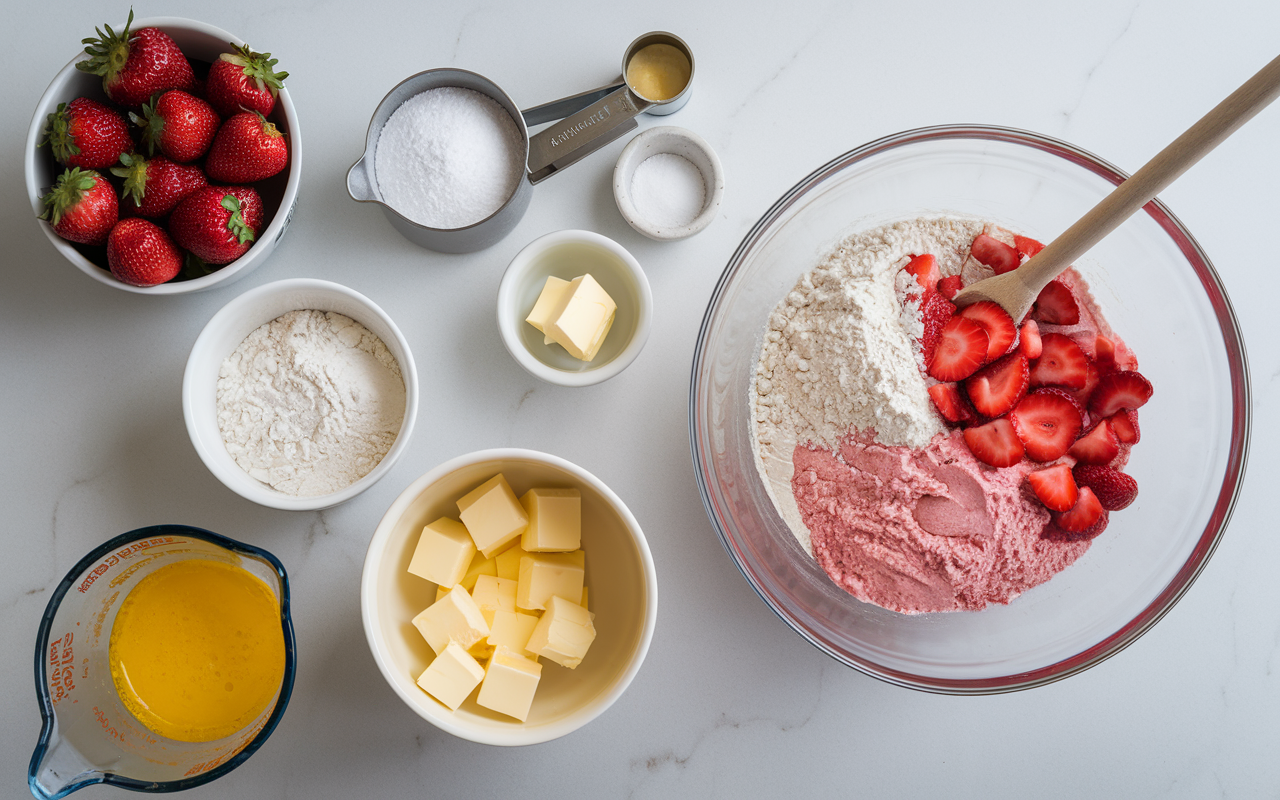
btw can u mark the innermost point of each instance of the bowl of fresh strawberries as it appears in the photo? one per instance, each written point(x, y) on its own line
point(165, 158)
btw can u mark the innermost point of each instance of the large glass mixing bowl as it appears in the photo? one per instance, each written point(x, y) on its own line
point(1159, 292)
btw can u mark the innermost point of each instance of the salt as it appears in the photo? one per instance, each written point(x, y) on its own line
point(668, 190)
point(449, 157)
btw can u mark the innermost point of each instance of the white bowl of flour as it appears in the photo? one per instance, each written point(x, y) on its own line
point(300, 394)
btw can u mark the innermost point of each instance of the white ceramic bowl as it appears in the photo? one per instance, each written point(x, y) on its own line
point(623, 594)
point(201, 42)
point(223, 334)
point(680, 142)
point(566, 255)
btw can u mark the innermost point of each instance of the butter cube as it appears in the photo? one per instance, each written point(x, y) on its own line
point(441, 592)
point(509, 562)
point(479, 566)
point(564, 633)
point(583, 318)
point(453, 618)
point(555, 520)
point(492, 594)
point(444, 552)
point(584, 597)
point(549, 300)
point(543, 575)
point(451, 676)
point(511, 629)
point(509, 684)
point(492, 515)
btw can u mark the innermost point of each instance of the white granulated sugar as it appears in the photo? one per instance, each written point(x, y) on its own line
point(449, 157)
point(668, 190)
point(310, 402)
point(839, 352)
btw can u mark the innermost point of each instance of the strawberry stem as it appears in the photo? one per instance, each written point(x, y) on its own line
point(57, 134)
point(151, 123)
point(108, 52)
point(258, 66)
point(236, 224)
point(67, 192)
point(134, 173)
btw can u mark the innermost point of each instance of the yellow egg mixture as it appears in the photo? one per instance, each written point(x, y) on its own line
point(658, 72)
point(197, 650)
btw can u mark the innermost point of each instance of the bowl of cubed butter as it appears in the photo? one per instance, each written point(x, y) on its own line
point(508, 597)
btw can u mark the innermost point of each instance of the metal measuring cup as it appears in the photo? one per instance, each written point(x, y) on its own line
point(581, 124)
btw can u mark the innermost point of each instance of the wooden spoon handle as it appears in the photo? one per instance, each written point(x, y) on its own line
point(1241, 106)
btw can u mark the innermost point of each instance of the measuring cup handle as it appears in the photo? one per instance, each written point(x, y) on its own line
point(559, 109)
point(574, 137)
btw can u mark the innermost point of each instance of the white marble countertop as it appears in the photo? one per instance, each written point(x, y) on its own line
point(730, 702)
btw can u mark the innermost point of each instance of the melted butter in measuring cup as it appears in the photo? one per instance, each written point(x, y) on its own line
point(658, 72)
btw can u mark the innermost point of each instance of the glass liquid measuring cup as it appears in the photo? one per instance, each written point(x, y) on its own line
point(88, 735)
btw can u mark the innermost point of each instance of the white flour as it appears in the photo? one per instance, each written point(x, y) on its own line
point(310, 402)
point(839, 352)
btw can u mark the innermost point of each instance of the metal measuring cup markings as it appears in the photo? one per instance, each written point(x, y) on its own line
point(581, 124)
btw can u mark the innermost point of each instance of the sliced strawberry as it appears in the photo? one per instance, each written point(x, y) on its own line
point(951, 404)
point(1098, 446)
point(950, 286)
point(1055, 487)
point(1104, 354)
point(1026, 245)
point(1069, 397)
point(1083, 394)
point(925, 270)
point(1001, 332)
point(994, 443)
point(1115, 490)
point(962, 348)
point(1061, 363)
point(1029, 343)
point(935, 310)
point(1056, 534)
point(998, 387)
point(994, 253)
point(1125, 424)
point(1046, 423)
point(1082, 515)
point(1056, 306)
point(1119, 390)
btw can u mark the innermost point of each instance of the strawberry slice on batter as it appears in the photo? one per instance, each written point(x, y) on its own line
point(950, 286)
point(1120, 390)
point(1125, 424)
point(1026, 246)
point(951, 404)
point(1061, 363)
point(997, 387)
point(961, 349)
point(994, 443)
point(1001, 332)
point(1055, 487)
point(1056, 305)
point(1083, 515)
point(994, 253)
point(1098, 446)
point(1029, 342)
point(1046, 422)
point(925, 269)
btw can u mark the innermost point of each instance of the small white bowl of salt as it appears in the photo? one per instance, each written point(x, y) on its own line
point(668, 183)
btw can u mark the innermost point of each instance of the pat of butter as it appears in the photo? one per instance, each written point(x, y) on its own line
point(582, 320)
point(508, 562)
point(543, 575)
point(493, 594)
point(453, 618)
point(509, 684)
point(512, 629)
point(451, 676)
point(584, 597)
point(564, 633)
point(555, 520)
point(548, 302)
point(493, 515)
point(479, 566)
point(444, 552)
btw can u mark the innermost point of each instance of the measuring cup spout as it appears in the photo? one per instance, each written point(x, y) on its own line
point(359, 184)
point(58, 769)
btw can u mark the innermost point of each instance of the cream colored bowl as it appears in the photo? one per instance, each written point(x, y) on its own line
point(622, 588)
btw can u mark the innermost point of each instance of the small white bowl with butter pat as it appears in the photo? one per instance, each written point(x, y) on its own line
point(574, 308)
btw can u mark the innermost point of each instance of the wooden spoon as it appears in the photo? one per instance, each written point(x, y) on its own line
point(1015, 291)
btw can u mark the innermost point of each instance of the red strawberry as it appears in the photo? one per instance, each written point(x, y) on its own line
point(994, 253)
point(1119, 390)
point(1055, 487)
point(1083, 515)
point(998, 387)
point(85, 133)
point(1046, 423)
point(136, 65)
point(142, 254)
point(246, 149)
point(1083, 394)
point(244, 81)
point(1055, 534)
point(994, 443)
point(1115, 490)
point(81, 207)
point(935, 310)
point(1029, 339)
point(218, 223)
point(950, 286)
point(951, 404)
point(1061, 363)
point(962, 348)
point(1027, 246)
point(1056, 305)
point(181, 125)
point(1104, 353)
point(1098, 446)
point(999, 326)
point(1125, 425)
point(154, 187)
